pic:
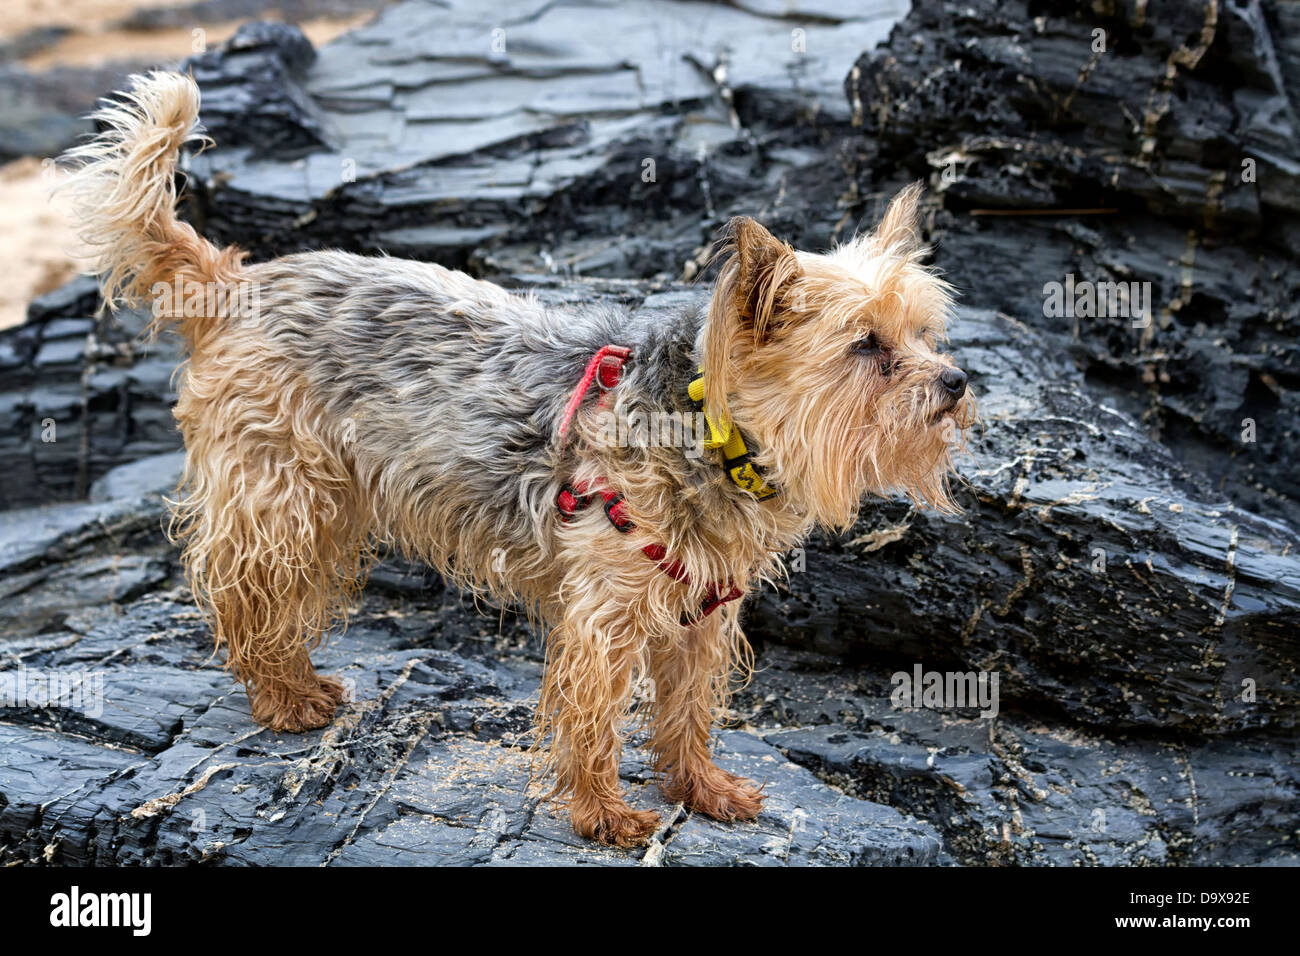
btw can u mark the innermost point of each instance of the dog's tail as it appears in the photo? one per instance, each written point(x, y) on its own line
point(123, 195)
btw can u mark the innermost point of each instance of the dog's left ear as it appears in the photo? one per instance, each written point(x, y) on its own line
point(747, 304)
point(900, 227)
point(765, 267)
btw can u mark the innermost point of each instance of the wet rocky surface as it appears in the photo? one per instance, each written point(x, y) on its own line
point(1183, 127)
point(79, 395)
point(1125, 565)
point(427, 763)
point(1123, 732)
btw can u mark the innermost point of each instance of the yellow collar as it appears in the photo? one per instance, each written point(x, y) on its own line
point(737, 461)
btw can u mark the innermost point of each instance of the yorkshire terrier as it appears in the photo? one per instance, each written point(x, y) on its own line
point(361, 402)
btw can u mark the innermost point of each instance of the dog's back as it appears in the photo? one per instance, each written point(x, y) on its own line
point(443, 394)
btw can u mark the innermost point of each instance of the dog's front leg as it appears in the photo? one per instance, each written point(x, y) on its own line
point(592, 659)
point(691, 667)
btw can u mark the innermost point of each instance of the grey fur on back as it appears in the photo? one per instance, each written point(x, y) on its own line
point(449, 387)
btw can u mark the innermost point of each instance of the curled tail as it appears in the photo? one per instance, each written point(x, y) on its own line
point(123, 195)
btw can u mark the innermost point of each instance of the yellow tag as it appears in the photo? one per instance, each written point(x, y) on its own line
point(719, 432)
point(722, 435)
point(746, 477)
point(718, 437)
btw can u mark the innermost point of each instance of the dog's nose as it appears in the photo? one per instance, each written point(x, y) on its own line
point(954, 382)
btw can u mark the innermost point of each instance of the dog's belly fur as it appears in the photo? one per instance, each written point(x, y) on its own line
point(442, 395)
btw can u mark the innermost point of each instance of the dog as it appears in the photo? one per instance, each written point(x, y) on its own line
point(369, 402)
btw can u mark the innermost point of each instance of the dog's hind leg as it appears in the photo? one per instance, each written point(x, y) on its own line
point(691, 668)
point(274, 528)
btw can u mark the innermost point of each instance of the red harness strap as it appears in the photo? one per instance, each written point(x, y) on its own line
point(714, 597)
point(607, 367)
point(607, 363)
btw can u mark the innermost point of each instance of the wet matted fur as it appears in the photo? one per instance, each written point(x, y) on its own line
point(366, 402)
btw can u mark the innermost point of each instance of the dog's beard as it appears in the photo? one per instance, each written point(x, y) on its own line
point(902, 442)
point(908, 444)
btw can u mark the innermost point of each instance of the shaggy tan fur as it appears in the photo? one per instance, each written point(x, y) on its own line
point(378, 402)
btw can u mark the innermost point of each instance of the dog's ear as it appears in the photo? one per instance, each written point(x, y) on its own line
point(900, 227)
point(765, 268)
point(748, 301)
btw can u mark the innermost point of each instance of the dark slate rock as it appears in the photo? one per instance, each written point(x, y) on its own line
point(76, 300)
point(185, 15)
point(251, 90)
point(28, 125)
point(31, 41)
point(535, 134)
point(805, 822)
point(80, 395)
point(428, 765)
point(58, 561)
point(153, 476)
point(43, 113)
point(1005, 106)
point(1021, 790)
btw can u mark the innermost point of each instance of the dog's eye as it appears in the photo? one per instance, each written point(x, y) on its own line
point(870, 346)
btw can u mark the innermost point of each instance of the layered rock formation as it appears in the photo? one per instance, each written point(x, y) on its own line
point(1125, 566)
point(1177, 123)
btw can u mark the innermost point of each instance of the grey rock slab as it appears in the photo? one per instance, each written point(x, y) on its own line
point(152, 476)
point(804, 822)
point(1022, 788)
point(428, 764)
point(420, 100)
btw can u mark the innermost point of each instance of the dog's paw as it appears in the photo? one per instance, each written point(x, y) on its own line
point(717, 794)
point(294, 712)
point(616, 825)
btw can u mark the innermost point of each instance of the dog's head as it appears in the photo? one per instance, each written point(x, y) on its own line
point(832, 362)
